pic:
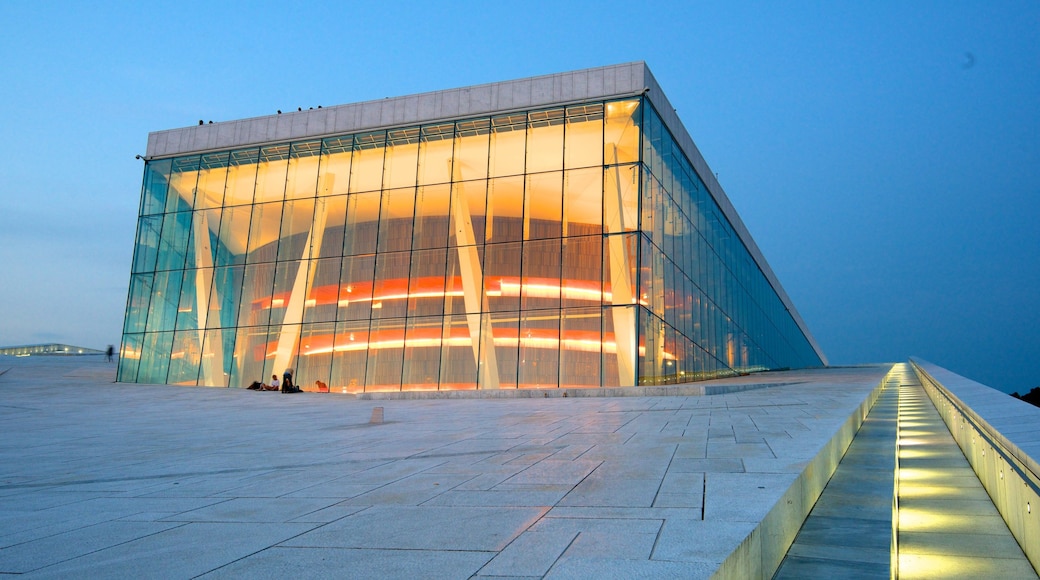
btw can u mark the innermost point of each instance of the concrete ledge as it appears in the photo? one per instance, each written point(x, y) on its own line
point(763, 550)
point(686, 390)
point(999, 435)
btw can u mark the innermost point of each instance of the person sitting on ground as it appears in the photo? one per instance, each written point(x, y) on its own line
point(322, 387)
point(273, 386)
point(256, 386)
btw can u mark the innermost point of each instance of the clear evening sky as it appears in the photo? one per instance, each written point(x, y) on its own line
point(884, 155)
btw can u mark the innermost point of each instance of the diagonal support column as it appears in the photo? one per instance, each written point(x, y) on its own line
point(212, 371)
point(290, 331)
point(621, 290)
point(473, 296)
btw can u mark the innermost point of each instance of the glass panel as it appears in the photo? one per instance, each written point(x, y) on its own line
point(669, 372)
point(651, 197)
point(137, 305)
point(359, 236)
point(183, 179)
point(660, 211)
point(350, 357)
point(471, 150)
point(155, 357)
point(323, 296)
point(657, 276)
point(621, 132)
point(431, 216)
point(584, 146)
point(271, 173)
point(366, 170)
point(215, 367)
point(185, 358)
point(264, 228)
point(646, 272)
point(335, 211)
point(284, 278)
point(257, 285)
point(422, 354)
point(543, 206)
point(467, 213)
point(619, 346)
point(502, 276)
point(539, 349)
point(540, 283)
point(253, 355)
point(174, 241)
point(206, 226)
point(668, 292)
point(241, 177)
point(156, 182)
point(402, 149)
point(505, 332)
point(391, 285)
point(334, 176)
point(147, 249)
point(621, 198)
point(460, 341)
point(129, 358)
point(385, 355)
point(314, 365)
point(302, 177)
point(212, 178)
point(194, 290)
point(426, 283)
point(620, 259)
point(435, 153)
point(583, 202)
point(202, 239)
point(653, 132)
point(234, 233)
point(508, 144)
point(297, 219)
point(162, 309)
point(505, 205)
point(224, 297)
point(580, 342)
point(582, 271)
point(395, 220)
point(355, 288)
point(463, 281)
point(545, 140)
point(651, 348)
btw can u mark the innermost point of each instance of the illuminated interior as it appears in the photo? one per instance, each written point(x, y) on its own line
point(564, 247)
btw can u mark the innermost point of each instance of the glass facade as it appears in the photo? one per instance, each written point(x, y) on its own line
point(573, 246)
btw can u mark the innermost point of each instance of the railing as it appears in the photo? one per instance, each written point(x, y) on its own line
point(976, 416)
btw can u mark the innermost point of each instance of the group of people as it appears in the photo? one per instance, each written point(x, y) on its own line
point(286, 385)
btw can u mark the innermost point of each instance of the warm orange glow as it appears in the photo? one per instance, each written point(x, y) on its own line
point(433, 287)
point(579, 340)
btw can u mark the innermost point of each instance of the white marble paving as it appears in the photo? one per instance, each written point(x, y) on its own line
point(100, 479)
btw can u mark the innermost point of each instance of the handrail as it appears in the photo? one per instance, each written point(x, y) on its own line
point(987, 432)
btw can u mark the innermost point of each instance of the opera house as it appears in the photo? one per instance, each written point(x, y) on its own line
point(555, 231)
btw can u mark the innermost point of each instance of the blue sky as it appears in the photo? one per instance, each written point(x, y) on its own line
point(885, 155)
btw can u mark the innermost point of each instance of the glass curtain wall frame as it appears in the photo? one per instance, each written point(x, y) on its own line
point(496, 252)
